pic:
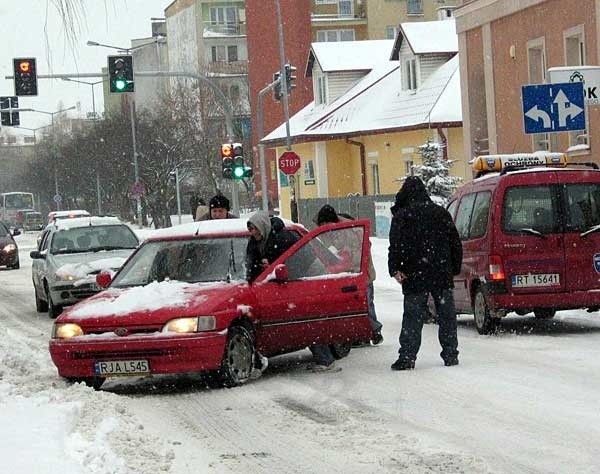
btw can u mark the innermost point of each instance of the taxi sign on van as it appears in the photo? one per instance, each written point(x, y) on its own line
point(490, 163)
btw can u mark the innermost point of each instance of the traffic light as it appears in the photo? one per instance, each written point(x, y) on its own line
point(9, 118)
point(25, 74)
point(277, 86)
point(289, 77)
point(239, 168)
point(120, 73)
point(227, 160)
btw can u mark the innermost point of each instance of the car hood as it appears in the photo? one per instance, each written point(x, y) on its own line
point(155, 303)
point(83, 267)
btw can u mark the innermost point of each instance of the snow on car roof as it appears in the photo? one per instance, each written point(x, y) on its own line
point(86, 221)
point(81, 212)
point(216, 226)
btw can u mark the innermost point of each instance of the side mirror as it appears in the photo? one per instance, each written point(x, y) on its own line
point(36, 255)
point(103, 279)
point(281, 273)
point(16, 232)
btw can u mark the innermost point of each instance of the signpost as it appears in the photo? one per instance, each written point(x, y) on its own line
point(553, 107)
point(289, 162)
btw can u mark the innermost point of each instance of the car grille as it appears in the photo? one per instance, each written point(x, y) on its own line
point(125, 353)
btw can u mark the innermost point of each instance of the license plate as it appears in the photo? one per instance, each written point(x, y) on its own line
point(121, 367)
point(535, 279)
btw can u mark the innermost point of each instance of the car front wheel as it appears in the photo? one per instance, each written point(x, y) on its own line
point(40, 305)
point(53, 310)
point(238, 358)
point(93, 382)
point(481, 312)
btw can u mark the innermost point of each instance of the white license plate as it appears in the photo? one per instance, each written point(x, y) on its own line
point(535, 279)
point(121, 367)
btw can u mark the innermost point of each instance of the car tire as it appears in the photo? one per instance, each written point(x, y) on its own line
point(53, 310)
point(16, 266)
point(484, 322)
point(93, 382)
point(341, 349)
point(41, 306)
point(238, 357)
point(544, 313)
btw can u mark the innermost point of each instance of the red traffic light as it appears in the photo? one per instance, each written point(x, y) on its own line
point(25, 66)
point(226, 150)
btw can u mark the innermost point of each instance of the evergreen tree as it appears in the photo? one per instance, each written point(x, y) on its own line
point(435, 171)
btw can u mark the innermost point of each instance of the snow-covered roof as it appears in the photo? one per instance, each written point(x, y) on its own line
point(376, 103)
point(348, 55)
point(86, 222)
point(426, 37)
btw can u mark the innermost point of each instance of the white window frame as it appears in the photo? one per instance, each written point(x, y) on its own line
point(220, 14)
point(410, 73)
point(393, 29)
point(413, 11)
point(347, 2)
point(578, 33)
point(224, 50)
point(324, 35)
point(320, 90)
point(309, 169)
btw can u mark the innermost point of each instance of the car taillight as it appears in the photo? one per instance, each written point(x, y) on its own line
point(496, 268)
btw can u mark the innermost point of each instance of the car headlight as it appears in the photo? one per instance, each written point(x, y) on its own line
point(194, 324)
point(9, 248)
point(65, 277)
point(66, 331)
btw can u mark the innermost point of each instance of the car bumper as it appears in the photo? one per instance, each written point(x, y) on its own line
point(170, 354)
point(559, 301)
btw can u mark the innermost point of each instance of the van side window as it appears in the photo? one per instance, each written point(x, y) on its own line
point(481, 211)
point(529, 207)
point(583, 206)
point(463, 215)
point(452, 208)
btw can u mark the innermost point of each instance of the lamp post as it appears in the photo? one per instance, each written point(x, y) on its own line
point(52, 114)
point(138, 199)
point(34, 130)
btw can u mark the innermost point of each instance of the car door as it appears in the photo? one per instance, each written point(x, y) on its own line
point(582, 236)
point(38, 265)
point(324, 297)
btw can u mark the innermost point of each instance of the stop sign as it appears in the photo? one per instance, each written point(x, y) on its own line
point(289, 162)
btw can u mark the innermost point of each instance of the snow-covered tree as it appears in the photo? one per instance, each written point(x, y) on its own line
point(435, 171)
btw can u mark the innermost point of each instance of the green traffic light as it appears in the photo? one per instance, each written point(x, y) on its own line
point(238, 172)
point(120, 84)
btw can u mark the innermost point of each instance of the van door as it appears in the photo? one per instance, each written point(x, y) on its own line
point(582, 235)
point(530, 241)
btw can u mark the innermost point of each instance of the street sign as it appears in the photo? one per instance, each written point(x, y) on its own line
point(9, 118)
point(57, 198)
point(137, 189)
point(553, 107)
point(588, 75)
point(289, 162)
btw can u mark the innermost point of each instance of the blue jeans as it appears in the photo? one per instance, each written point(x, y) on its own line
point(415, 309)
point(322, 354)
point(375, 324)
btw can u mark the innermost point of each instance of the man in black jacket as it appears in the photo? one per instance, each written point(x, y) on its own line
point(425, 252)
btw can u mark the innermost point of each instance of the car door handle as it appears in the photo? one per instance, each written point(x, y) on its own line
point(349, 289)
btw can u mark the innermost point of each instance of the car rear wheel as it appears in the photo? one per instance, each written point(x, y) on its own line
point(238, 358)
point(41, 306)
point(341, 349)
point(544, 313)
point(93, 382)
point(483, 319)
point(53, 310)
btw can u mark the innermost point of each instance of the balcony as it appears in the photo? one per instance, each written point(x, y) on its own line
point(212, 28)
point(227, 67)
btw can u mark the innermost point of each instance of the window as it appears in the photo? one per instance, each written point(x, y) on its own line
point(375, 175)
point(529, 207)
point(222, 53)
point(463, 215)
point(410, 74)
point(583, 206)
point(346, 7)
point(320, 90)
point(335, 35)
point(481, 211)
point(232, 53)
point(575, 56)
point(234, 93)
point(536, 59)
point(309, 169)
point(414, 7)
point(409, 167)
point(223, 15)
point(391, 32)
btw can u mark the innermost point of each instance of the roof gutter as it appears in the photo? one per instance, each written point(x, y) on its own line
point(363, 163)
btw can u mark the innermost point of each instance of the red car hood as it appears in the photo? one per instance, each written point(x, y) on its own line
point(156, 303)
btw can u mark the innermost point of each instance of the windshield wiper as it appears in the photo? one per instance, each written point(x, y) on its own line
point(109, 247)
point(64, 251)
point(591, 230)
point(529, 230)
point(231, 264)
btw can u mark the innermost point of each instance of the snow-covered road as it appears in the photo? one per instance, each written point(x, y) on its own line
point(524, 400)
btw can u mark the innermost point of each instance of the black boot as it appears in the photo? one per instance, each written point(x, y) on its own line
point(403, 364)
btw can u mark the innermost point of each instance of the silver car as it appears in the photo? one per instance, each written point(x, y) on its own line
point(71, 253)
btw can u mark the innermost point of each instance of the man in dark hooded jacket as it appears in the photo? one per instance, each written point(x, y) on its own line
point(425, 252)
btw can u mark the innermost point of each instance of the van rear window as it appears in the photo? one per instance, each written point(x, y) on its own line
point(529, 207)
point(583, 206)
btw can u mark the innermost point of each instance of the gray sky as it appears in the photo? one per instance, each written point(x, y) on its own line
point(29, 32)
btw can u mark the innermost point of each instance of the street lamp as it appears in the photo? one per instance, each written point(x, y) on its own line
point(92, 84)
point(33, 130)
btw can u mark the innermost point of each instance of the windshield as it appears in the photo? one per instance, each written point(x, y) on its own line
point(19, 201)
point(191, 260)
point(93, 239)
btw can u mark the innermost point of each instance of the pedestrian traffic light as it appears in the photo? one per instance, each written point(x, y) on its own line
point(25, 74)
point(290, 77)
point(9, 118)
point(277, 86)
point(120, 73)
point(227, 160)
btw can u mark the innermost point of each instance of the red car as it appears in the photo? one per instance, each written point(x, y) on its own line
point(181, 303)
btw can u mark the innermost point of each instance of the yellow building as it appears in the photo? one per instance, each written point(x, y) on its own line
point(375, 103)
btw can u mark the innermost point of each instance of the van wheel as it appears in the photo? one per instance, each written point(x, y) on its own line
point(544, 313)
point(238, 357)
point(341, 349)
point(483, 319)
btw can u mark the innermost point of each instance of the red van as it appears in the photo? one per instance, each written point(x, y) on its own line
point(530, 228)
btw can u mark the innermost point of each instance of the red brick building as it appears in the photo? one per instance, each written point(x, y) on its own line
point(263, 61)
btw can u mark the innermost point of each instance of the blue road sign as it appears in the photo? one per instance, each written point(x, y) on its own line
point(553, 107)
